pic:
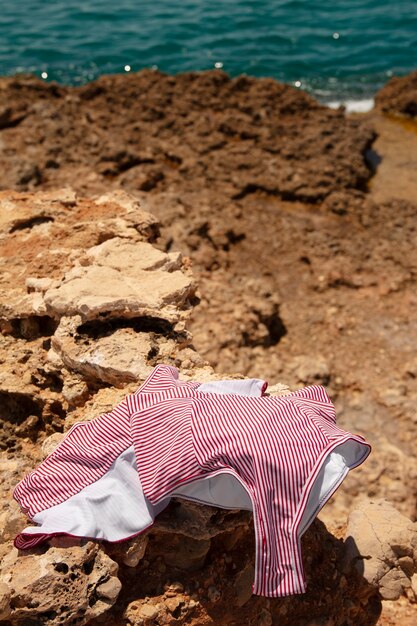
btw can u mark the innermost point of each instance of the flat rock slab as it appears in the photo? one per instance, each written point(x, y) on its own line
point(127, 256)
point(43, 235)
point(381, 544)
point(105, 291)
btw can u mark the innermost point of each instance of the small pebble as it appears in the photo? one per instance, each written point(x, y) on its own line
point(213, 594)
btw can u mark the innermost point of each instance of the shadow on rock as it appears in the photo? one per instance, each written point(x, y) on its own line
point(205, 576)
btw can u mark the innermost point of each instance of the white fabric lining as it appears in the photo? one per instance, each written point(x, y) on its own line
point(332, 472)
point(112, 508)
point(244, 387)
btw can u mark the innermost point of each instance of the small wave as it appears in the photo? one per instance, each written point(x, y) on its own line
point(353, 106)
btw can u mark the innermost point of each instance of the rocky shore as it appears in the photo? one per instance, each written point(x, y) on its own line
point(228, 227)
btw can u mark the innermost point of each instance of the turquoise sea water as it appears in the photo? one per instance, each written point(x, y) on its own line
point(338, 50)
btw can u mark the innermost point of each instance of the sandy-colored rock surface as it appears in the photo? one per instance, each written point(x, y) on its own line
point(177, 132)
point(395, 154)
point(195, 565)
point(299, 225)
point(116, 358)
point(381, 544)
point(399, 96)
point(61, 586)
point(105, 291)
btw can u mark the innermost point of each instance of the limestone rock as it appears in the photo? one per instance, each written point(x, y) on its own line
point(143, 222)
point(247, 320)
point(121, 356)
point(142, 613)
point(136, 551)
point(17, 216)
point(51, 443)
point(20, 408)
point(399, 96)
point(101, 402)
point(199, 522)
point(12, 520)
point(31, 221)
point(75, 389)
point(65, 196)
point(381, 545)
point(16, 304)
point(129, 552)
point(229, 184)
point(71, 585)
point(310, 371)
point(398, 485)
point(162, 610)
point(11, 469)
point(95, 291)
point(183, 553)
point(243, 584)
point(213, 594)
point(110, 589)
point(278, 389)
point(5, 597)
point(129, 257)
point(40, 284)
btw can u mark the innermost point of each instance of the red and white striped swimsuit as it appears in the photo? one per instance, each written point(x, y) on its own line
point(276, 447)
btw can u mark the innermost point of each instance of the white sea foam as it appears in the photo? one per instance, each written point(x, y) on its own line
point(353, 106)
